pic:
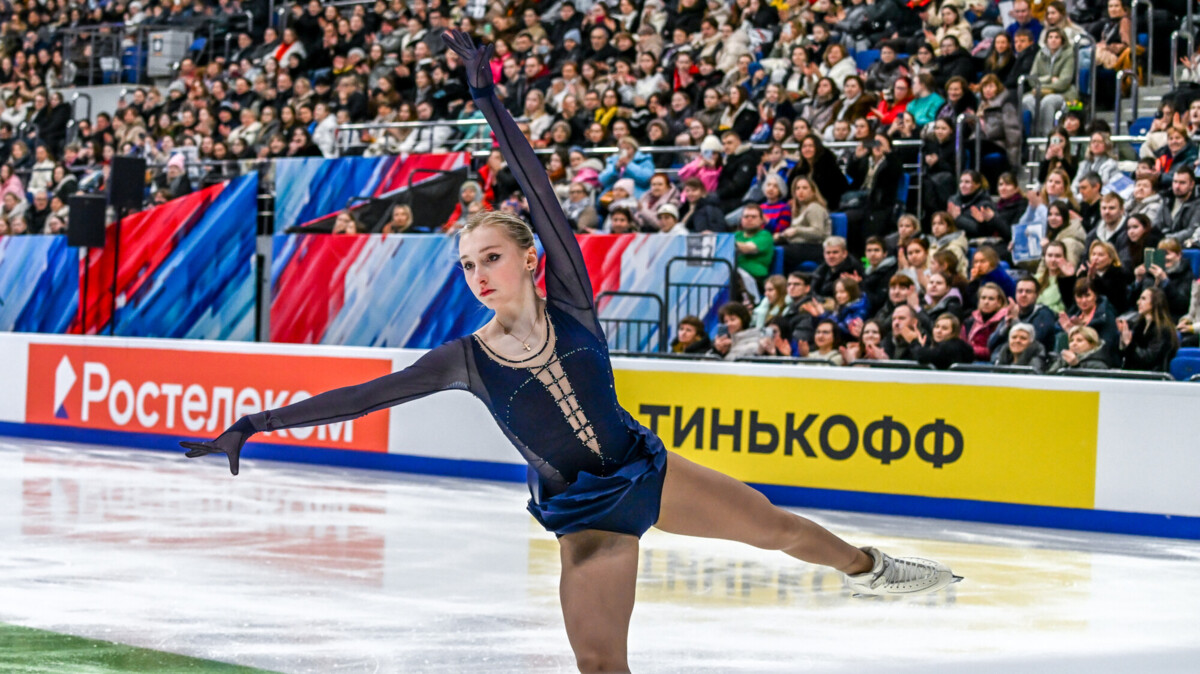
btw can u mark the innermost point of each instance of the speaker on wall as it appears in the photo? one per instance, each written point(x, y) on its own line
point(127, 183)
point(86, 226)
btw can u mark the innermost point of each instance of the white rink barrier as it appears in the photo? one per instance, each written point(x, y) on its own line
point(1094, 454)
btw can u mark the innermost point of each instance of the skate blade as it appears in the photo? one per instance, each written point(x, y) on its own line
point(858, 595)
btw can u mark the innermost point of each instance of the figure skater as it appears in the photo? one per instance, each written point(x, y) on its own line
point(598, 479)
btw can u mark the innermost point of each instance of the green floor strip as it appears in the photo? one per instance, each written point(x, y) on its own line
point(29, 651)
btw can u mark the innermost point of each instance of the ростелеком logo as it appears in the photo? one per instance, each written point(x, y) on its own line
point(64, 381)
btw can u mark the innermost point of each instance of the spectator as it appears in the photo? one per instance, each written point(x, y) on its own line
point(907, 229)
point(995, 221)
point(802, 309)
point(1055, 266)
point(691, 337)
point(1112, 229)
point(981, 324)
point(738, 170)
point(754, 244)
point(941, 297)
point(1180, 214)
point(1023, 18)
point(971, 199)
point(869, 346)
point(581, 212)
point(926, 100)
point(1026, 309)
point(773, 303)
point(946, 236)
point(875, 174)
point(915, 261)
point(879, 270)
point(702, 214)
point(1178, 153)
point(810, 225)
point(706, 166)
point(346, 223)
point(1086, 351)
point(825, 343)
point(1100, 159)
point(906, 333)
point(1092, 310)
point(1187, 324)
point(946, 347)
point(660, 194)
point(735, 339)
point(1025, 50)
point(668, 220)
point(1054, 74)
point(628, 162)
point(1000, 121)
point(985, 268)
point(820, 166)
point(38, 211)
point(1174, 279)
point(1146, 200)
point(1148, 342)
point(1019, 348)
point(851, 308)
point(777, 210)
point(401, 222)
point(838, 262)
point(176, 179)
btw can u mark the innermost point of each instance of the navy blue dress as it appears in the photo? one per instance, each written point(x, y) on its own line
point(591, 466)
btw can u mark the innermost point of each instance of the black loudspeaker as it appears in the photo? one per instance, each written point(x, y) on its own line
point(127, 183)
point(86, 226)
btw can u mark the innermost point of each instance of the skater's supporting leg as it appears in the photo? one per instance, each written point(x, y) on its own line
point(599, 574)
point(699, 501)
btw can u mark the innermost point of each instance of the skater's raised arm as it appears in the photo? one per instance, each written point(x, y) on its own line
point(567, 280)
point(442, 369)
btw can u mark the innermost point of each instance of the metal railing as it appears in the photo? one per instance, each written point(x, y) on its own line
point(1191, 42)
point(633, 334)
point(696, 298)
point(1133, 91)
point(1085, 40)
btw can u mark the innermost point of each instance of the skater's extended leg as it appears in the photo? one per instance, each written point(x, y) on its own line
point(699, 501)
point(599, 574)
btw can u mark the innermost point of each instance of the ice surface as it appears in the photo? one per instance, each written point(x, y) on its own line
point(315, 569)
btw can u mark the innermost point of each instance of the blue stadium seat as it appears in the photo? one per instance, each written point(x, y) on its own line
point(1139, 127)
point(1185, 364)
point(1027, 122)
point(840, 224)
point(808, 267)
point(902, 189)
point(1085, 81)
point(1193, 256)
point(777, 261)
point(864, 59)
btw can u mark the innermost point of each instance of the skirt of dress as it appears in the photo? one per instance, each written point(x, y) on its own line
point(625, 501)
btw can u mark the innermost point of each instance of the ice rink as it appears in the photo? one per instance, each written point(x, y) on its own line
point(313, 569)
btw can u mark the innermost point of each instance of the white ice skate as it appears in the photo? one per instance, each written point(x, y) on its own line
point(900, 576)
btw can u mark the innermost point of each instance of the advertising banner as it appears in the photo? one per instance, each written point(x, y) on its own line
point(933, 440)
point(193, 394)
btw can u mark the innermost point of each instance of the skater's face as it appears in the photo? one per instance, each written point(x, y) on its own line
point(497, 270)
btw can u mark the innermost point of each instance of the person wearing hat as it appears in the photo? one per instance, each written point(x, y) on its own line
point(628, 163)
point(568, 49)
point(668, 220)
point(175, 180)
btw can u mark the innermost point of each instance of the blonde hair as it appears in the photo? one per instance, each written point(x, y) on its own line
point(1087, 333)
point(514, 228)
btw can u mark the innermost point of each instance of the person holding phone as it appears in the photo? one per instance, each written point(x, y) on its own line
point(735, 338)
point(1164, 268)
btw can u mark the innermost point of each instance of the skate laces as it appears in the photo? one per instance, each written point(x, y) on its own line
point(901, 571)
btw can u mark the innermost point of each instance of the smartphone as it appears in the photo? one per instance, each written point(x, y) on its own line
point(1061, 342)
point(1155, 256)
point(722, 330)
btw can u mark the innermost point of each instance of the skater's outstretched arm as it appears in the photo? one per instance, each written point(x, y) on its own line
point(567, 281)
point(442, 369)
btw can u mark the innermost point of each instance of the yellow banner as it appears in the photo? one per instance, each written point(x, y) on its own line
point(949, 441)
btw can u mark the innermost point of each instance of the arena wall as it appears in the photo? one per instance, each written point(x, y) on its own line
point(1091, 454)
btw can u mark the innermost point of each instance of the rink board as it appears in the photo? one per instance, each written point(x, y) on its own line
point(1060, 452)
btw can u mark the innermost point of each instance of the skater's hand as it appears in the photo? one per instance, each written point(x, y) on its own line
point(477, 61)
point(229, 443)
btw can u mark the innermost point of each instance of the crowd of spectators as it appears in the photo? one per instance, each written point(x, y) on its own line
point(744, 116)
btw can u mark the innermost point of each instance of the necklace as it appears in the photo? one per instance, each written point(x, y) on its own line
point(524, 341)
